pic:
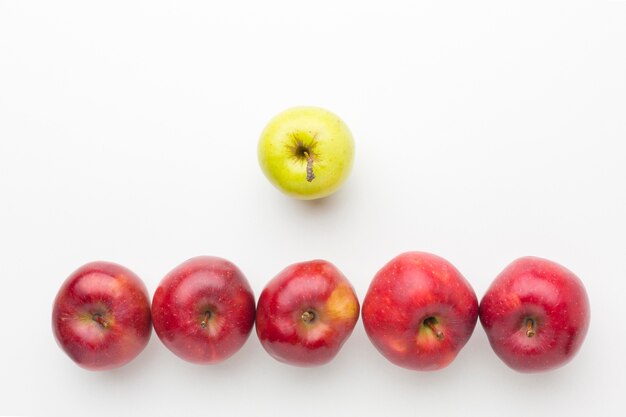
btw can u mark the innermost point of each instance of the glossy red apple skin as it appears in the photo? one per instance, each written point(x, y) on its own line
point(306, 313)
point(419, 311)
point(101, 316)
point(203, 310)
point(552, 298)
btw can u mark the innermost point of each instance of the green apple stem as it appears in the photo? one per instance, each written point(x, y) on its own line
point(431, 323)
point(205, 320)
point(100, 320)
point(530, 327)
point(309, 166)
point(308, 316)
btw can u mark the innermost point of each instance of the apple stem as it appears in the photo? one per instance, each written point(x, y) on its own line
point(100, 320)
point(308, 316)
point(431, 323)
point(530, 327)
point(205, 320)
point(309, 166)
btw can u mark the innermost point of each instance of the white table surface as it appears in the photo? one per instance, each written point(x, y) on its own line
point(485, 131)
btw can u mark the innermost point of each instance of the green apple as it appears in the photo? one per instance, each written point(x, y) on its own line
point(306, 152)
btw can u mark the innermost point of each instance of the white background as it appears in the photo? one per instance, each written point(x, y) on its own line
point(485, 131)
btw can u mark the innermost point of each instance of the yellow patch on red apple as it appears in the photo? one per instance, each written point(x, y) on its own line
point(342, 304)
point(397, 344)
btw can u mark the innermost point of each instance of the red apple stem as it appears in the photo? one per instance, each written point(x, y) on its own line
point(431, 323)
point(308, 316)
point(309, 166)
point(100, 320)
point(205, 320)
point(530, 327)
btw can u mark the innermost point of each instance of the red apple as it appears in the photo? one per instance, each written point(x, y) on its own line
point(419, 311)
point(203, 310)
point(535, 314)
point(101, 316)
point(306, 313)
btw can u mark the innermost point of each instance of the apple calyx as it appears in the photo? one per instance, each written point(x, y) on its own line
point(530, 327)
point(308, 316)
point(303, 150)
point(97, 317)
point(431, 322)
point(205, 319)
